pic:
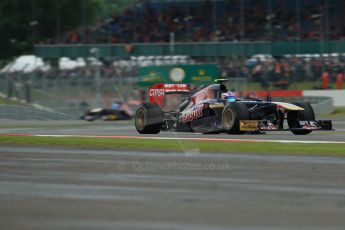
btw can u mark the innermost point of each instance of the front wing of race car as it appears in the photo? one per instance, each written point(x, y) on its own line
point(260, 125)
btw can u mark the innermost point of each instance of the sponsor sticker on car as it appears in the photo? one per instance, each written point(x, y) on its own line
point(249, 125)
point(192, 114)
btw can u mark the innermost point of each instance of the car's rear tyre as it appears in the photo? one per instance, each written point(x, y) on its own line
point(293, 117)
point(233, 112)
point(149, 118)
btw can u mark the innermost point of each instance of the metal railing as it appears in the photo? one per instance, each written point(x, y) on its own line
point(195, 49)
point(30, 113)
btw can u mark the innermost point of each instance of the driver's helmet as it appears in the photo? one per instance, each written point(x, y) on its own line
point(229, 96)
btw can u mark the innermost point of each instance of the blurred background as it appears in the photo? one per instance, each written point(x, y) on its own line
point(60, 58)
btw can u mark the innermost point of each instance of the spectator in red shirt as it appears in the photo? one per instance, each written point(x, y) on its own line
point(325, 80)
point(339, 80)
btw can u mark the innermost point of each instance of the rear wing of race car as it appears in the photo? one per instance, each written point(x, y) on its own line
point(158, 92)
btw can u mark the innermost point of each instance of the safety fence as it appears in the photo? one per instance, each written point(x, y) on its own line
point(71, 95)
point(195, 49)
point(30, 113)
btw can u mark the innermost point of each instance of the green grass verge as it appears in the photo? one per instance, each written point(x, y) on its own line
point(6, 101)
point(339, 112)
point(177, 145)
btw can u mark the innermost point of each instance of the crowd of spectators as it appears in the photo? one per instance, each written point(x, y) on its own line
point(283, 71)
point(228, 20)
point(276, 72)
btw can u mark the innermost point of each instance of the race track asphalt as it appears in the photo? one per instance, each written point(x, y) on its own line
point(71, 188)
point(54, 188)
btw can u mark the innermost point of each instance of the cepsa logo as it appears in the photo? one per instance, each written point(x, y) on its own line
point(192, 114)
point(156, 92)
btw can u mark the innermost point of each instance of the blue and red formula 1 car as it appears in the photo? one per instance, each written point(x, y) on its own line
point(214, 109)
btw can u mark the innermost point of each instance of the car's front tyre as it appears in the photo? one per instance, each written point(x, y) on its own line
point(233, 112)
point(293, 117)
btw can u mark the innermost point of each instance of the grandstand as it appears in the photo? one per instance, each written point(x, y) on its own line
point(217, 20)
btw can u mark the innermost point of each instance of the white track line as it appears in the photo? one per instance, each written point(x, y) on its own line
point(185, 138)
